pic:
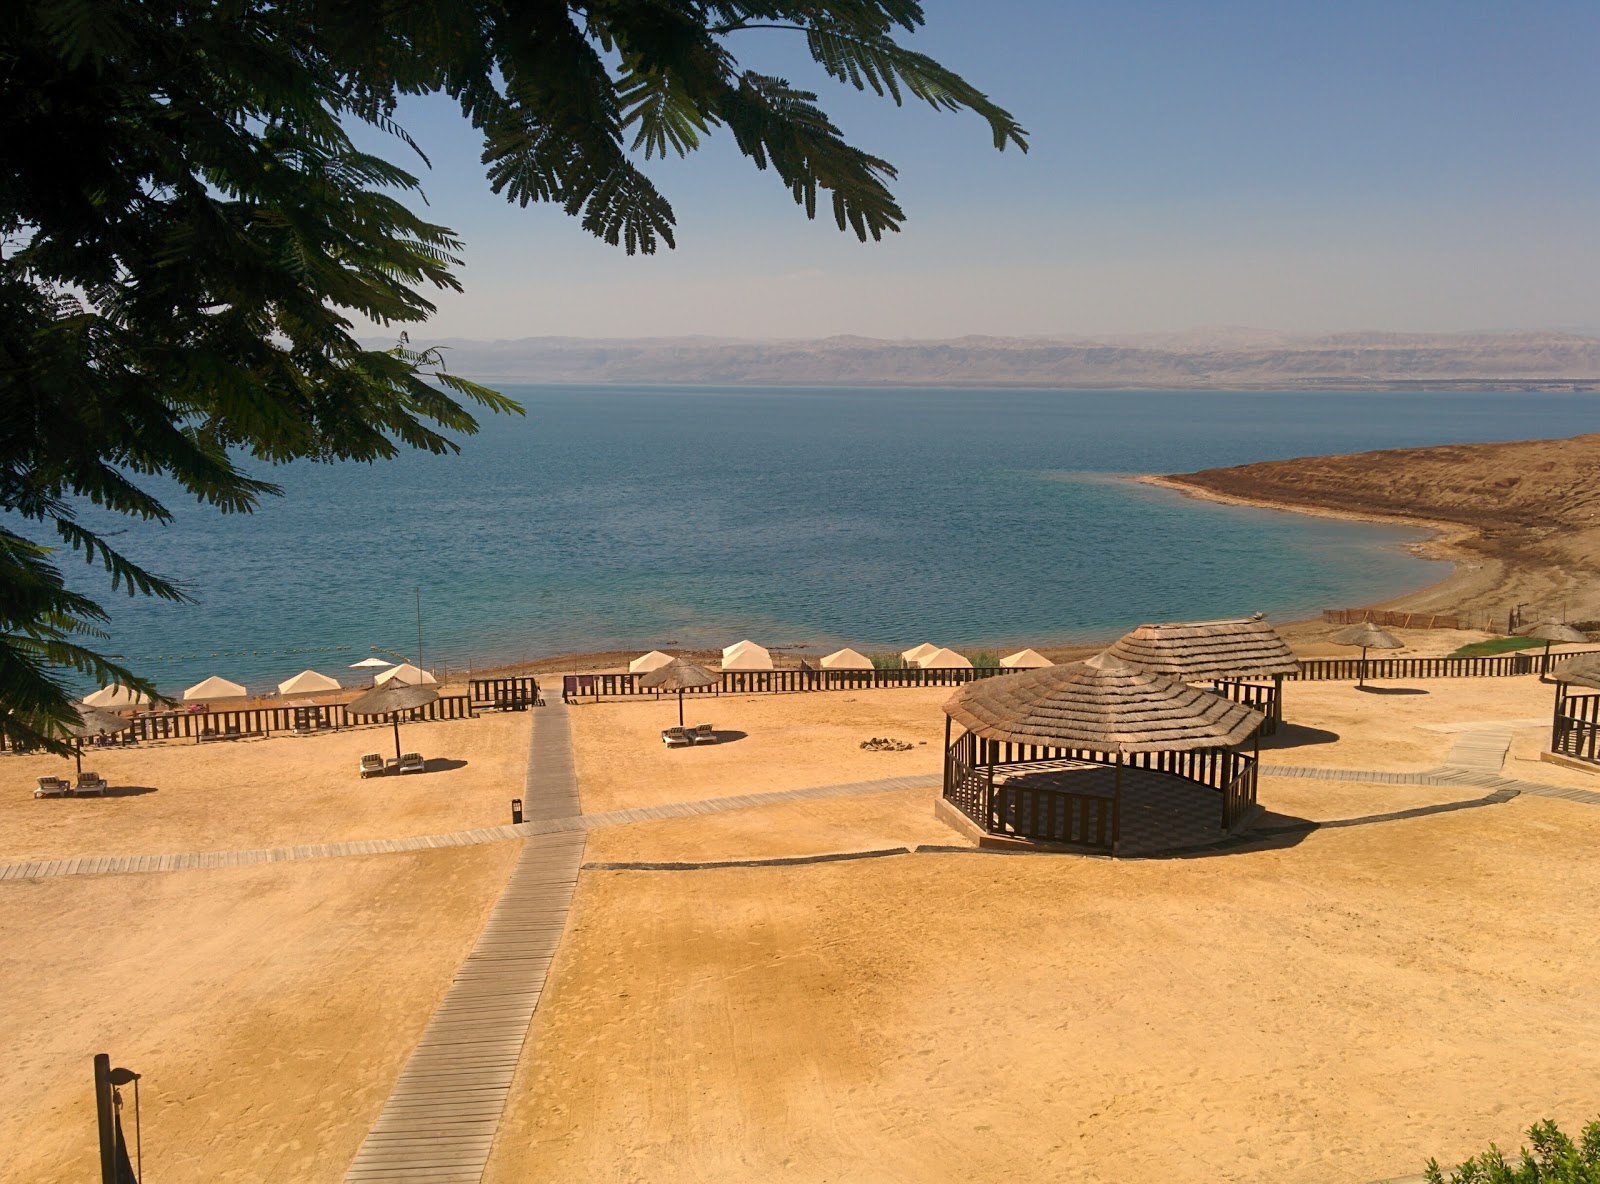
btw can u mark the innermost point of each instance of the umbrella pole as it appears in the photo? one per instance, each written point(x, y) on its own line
point(680, 707)
point(77, 754)
point(1361, 675)
point(396, 718)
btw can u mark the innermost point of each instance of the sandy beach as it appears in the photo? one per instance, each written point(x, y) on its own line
point(1331, 1004)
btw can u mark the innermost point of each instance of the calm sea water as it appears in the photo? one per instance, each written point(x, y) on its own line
point(615, 517)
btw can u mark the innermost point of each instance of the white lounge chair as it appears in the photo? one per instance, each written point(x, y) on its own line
point(372, 765)
point(703, 734)
point(52, 787)
point(89, 783)
point(412, 762)
point(676, 737)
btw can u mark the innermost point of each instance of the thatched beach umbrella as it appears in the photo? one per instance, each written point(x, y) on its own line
point(1583, 671)
point(1367, 636)
point(1102, 704)
point(92, 722)
point(1551, 632)
point(678, 675)
point(391, 700)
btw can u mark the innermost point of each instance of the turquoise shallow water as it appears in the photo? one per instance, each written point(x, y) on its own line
point(615, 517)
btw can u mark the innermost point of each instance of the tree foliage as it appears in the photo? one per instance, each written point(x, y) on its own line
point(1553, 1159)
point(189, 235)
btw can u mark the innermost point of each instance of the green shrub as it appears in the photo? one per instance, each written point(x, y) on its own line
point(1555, 1159)
point(984, 659)
point(887, 661)
point(1497, 645)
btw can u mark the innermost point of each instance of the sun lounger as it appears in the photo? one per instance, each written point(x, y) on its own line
point(90, 783)
point(412, 762)
point(51, 787)
point(703, 734)
point(372, 765)
point(676, 737)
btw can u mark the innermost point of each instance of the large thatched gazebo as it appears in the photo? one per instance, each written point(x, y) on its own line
point(1097, 755)
point(1575, 724)
point(1243, 659)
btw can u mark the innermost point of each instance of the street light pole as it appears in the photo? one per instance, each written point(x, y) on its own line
point(419, 629)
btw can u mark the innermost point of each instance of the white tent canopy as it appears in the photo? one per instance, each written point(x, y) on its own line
point(846, 659)
point(916, 653)
point(370, 664)
point(729, 651)
point(645, 663)
point(114, 696)
point(406, 675)
point(747, 655)
point(308, 682)
point(1025, 660)
point(215, 687)
point(945, 660)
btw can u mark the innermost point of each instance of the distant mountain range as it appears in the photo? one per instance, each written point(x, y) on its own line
point(1208, 358)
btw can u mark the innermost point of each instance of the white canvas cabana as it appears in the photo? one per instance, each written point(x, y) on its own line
point(215, 687)
point(914, 655)
point(846, 659)
point(116, 696)
point(405, 675)
point(738, 647)
point(308, 682)
point(645, 663)
point(945, 660)
point(747, 656)
point(1025, 660)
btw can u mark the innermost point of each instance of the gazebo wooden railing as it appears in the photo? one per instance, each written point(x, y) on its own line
point(1575, 728)
point(1055, 815)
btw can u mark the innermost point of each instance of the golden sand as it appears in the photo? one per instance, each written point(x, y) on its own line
point(1334, 1005)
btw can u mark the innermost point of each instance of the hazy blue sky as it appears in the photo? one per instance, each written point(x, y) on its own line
point(1408, 164)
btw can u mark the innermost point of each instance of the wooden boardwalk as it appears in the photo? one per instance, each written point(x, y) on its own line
point(440, 1120)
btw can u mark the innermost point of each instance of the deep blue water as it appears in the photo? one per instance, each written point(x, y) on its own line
point(639, 517)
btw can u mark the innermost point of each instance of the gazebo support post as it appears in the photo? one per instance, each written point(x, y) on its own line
point(947, 760)
point(988, 780)
point(1116, 805)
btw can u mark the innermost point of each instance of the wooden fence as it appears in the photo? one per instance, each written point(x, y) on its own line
point(1493, 666)
point(1051, 814)
point(1378, 616)
point(505, 694)
point(740, 682)
point(1575, 730)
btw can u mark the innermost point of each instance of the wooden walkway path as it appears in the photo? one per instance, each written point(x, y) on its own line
point(440, 1121)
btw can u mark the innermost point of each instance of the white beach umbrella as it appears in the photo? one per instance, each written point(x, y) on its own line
point(645, 663)
point(1025, 660)
point(747, 656)
point(846, 659)
point(914, 655)
point(308, 682)
point(405, 675)
point(115, 696)
point(215, 687)
point(945, 660)
point(370, 664)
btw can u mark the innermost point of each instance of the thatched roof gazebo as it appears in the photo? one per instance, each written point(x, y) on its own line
point(1243, 658)
point(1068, 754)
point(1575, 723)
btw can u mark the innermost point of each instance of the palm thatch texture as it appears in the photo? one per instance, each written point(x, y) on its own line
point(1369, 637)
point(1191, 651)
point(92, 722)
point(1583, 671)
point(1103, 704)
point(678, 675)
point(391, 699)
point(1551, 632)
